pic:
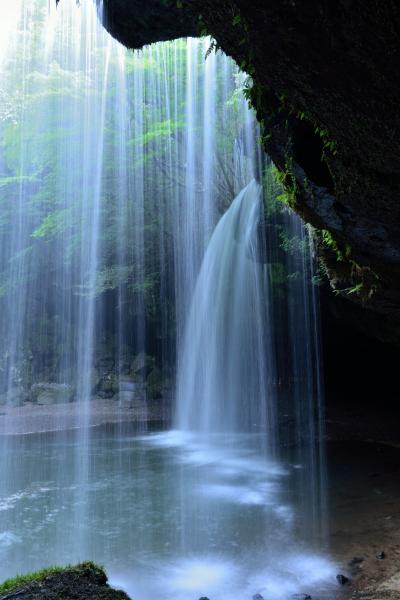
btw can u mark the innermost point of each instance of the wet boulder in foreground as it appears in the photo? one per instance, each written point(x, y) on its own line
point(86, 581)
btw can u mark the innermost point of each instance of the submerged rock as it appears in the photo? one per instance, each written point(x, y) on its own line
point(258, 597)
point(342, 579)
point(86, 581)
point(142, 365)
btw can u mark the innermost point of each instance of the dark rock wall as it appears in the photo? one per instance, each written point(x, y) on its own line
point(136, 23)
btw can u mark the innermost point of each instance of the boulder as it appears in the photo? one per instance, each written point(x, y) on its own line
point(142, 365)
point(51, 393)
point(108, 386)
point(105, 364)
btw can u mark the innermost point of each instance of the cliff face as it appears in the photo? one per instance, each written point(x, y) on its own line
point(326, 86)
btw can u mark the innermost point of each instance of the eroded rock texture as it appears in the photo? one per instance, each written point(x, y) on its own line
point(327, 88)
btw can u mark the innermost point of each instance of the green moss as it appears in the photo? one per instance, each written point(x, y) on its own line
point(24, 580)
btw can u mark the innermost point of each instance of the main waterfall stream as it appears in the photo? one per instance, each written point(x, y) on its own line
point(161, 401)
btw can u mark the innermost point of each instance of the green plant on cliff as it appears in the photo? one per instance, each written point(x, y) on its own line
point(288, 183)
point(328, 144)
point(364, 281)
point(341, 253)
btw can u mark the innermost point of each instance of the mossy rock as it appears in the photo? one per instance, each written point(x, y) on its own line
point(85, 581)
point(108, 386)
point(142, 365)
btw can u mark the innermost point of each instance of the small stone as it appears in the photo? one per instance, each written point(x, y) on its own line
point(342, 579)
point(355, 561)
point(381, 555)
point(204, 598)
point(258, 597)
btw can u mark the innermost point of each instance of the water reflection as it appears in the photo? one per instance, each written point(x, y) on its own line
point(168, 515)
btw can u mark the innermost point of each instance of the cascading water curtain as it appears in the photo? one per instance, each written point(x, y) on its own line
point(120, 174)
point(148, 272)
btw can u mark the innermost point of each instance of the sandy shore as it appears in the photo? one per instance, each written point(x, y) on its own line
point(32, 418)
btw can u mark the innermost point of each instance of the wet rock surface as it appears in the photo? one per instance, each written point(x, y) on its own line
point(84, 582)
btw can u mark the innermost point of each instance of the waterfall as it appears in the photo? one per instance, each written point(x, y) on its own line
point(246, 366)
point(222, 380)
point(149, 274)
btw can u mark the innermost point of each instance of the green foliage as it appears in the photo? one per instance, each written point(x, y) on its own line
point(289, 187)
point(112, 278)
point(158, 130)
point(22, 254)
point(329, 145)
point(52, 225)
point(293, 245)
point(278, 273)
point(364, 281)
point(136, 62)
point(272, 190)
point(214, 47)
point(16, 180)
point(330, 243)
